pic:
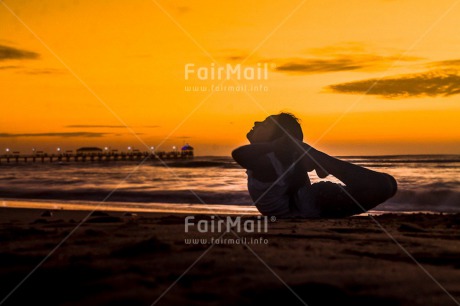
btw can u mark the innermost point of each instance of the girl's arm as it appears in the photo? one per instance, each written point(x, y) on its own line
point(248, 155)
point(287, 144)
point(309, 162)
point(254, 157)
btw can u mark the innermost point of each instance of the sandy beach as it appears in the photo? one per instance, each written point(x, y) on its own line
point(118, 258)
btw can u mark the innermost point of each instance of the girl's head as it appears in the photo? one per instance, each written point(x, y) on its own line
point(275, 126)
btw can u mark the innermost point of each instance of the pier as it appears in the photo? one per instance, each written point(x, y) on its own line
point(92, 154)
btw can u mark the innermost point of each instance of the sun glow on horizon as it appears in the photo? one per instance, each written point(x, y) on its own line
point(383, 78)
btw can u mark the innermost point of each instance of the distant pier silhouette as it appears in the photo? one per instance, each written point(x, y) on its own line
point(94, 154)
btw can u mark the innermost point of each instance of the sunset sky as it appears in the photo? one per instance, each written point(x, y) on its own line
point(365, 77)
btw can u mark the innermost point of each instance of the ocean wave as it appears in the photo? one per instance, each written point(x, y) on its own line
point(442, 200)
point(198, 164)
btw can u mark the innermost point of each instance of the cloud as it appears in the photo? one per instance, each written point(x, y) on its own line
point(43, 71)
point(106, 126)
point(95, 126)
point(8, 67)
point(235, 58)
point(427, 84)
point(35, 71)
point(10, 53)
point(341, 62)
point(66, 135)
point(455, 63)
point(307, 66)
point(348, 56)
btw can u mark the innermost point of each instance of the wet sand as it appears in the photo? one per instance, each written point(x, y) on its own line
point(116, 258)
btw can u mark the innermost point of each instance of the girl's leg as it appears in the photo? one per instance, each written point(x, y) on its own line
point(369, 188)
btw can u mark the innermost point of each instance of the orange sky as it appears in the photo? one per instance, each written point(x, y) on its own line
point(376, 77)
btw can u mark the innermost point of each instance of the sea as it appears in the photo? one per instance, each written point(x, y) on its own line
point(426, 183)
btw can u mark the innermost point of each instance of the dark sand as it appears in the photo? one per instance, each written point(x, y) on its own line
point(133, 260)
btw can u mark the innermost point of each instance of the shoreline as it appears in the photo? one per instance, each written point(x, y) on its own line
point(175, 208)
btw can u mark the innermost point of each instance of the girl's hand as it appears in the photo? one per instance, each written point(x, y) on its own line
point(283, 144)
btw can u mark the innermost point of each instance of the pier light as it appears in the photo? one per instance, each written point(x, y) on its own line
point(174, 148)
point(106, 148)
point(129, 148)
point(7, 150)
point(59, 149)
